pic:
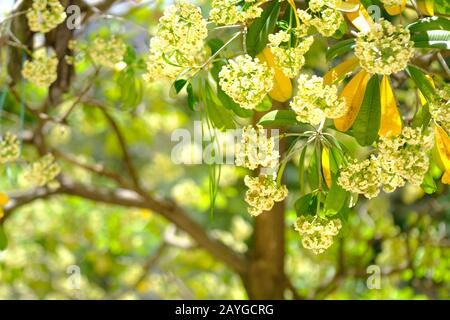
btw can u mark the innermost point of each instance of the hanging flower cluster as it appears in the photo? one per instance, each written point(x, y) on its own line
point(323, 16)
point(45, 15)
point(41, 70)
point(262, 193)
point(400, 159)
point(317, 233)
point(178, 43)
point(256, 149)
point(440, 107)
point(228, 12)
point(247, 81)
point(385, 49)
point(316, 101)
point(107, 52)
point(9, 148)
point(289, 59)
point(43, 172)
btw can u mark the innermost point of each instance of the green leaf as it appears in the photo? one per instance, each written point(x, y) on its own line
point(442, 6)
point(340, 48)
point(279, 118)
point(265, 105)
point(259, 30)
point(335, 199)
point(313, 171)
point(428, 185)
point(228, 103)
point(191, 98)
point(422, 82)
point(439, 39)
point(177, 86)
point(215, 45)
point(367, 123)
point(3, 239)
point(306, 205)
point(430, 23)
point(422, 117)
point(219, 116)
point(301, 169)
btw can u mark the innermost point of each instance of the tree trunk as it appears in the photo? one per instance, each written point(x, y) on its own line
point(265, 277)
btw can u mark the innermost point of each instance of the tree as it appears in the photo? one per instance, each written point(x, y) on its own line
point(353, 132)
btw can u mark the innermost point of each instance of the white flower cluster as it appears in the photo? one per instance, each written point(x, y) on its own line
point(385, 49)
point(41, 70)
point(400, 159)
point(43, 172)
point(316, 101)
point(323, 16)
point(317, 233)
point(178, 42)
point(228, 12)
point(262, 193)
point(45, 15)
point(256, 149)
point(246, 81)
point(289, 59)
point(9, 148)
point(440, 107)
point(107, 52)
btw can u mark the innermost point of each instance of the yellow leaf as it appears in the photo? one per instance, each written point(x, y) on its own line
point(3, 199)
point(282, 86)
point(326, 166)
point(426, 7)
point(396, 10)
point(346, 6)
point(423, 100)
point(294, 8)
point(353, 94)
point(2, 213)
point(360, 18)
point(443, 147)
point(391, 121)
point(337, 73)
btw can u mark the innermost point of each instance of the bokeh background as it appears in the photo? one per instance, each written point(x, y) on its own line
point(128, 253)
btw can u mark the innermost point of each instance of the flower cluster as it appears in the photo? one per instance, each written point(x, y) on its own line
point(45, 15)
point(385, 49)
point(392, 2)
point(317, 233)
point(246, 81)
point(404, 157)
point(262, 193)
point(256, 149)
point(107, 52)
point(41, 70)
point(9, 148)
point(226, 12)
point(400, 158)
point(289, 59)
point(440, 107)
point(178, 42)
point(363, 177)
point(43, 172)
point(316, 101)
point(323, 16)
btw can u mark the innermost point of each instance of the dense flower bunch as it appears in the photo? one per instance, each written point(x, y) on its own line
point(404, 157)
point(45, 15)
point(43, 172)
point(41, 70)
point(289, 59)
point(262, 193)
point(256, 149)
point(440, 107)
point(9, 148)
point(227, 12)
point(178, 42)
point(246, 81)
point(323, 16)
point(317, 233)
point(400, 158)
point(385, 49)
point(361, 177)
point(316, 101)
point(107, 52)
point(392, 2)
